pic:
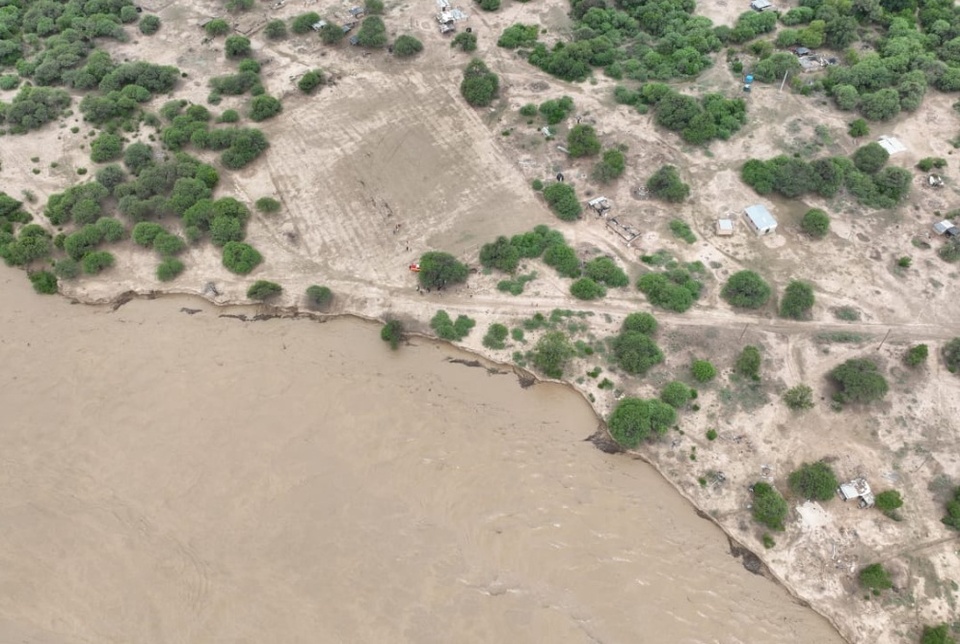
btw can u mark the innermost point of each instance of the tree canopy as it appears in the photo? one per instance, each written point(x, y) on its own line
point(438, 269)
point(814, 481)
point(634, 419)
point(746, 290)
point(479, 85)
point(858, 380)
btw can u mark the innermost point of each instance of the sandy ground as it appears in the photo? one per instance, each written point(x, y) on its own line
point(391, 142)
point(202, 479)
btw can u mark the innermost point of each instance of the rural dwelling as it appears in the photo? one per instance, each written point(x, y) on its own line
point(760, 219)
point(760, 5)
point(858, 488)
point(724, 227)
point(891, 144)
point(941, 227)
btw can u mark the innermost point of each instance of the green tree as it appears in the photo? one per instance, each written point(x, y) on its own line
point(554, 110)
point(858, 380)
point(611, 167)
point(137, 157)
point(372, 33)
point(889, 501)
point(870, 158)
point(915, 355)
point(746, 290)
point(168, 244)
point(465, 41)
point(441, 269)
point(406, 46)
point(479, 85)
point(798, 398)
point(275, 30)
point(496, 336)
point(489, 5)
point(634, 419)
point(263, 290)
point(267, 205)
point(582, 141)
point(67, 269)
point(392, 333)
point(937, 635)
point(237, 47)
point(303, 23)
point(952, 518)
point(331, 33)
point(169, 269)
point(110, 229)
point(106, 147)
point(748, 363)
point(145, 232)
point(875, 577)
point(703, 370)
point(111, 176)
point(318, 297)
point(951, 355)
point(551, 353)
point(769, 508)
point(636, 352)
point(263, 107)
point(675, 290)
point(562, 199)
point(44, 282)
point(217, 27)
point(501, 255)
point(587, 289)
point(310, 81)
point(666, 184)
point(639, 323)
point(881, 105)
point(858, 128)
point(96, 261)
point(815, 223)
point(518, 35)
point(676, 394)
point(448, 329)
point(797, 300)
point(814, 481)
point(240, 258)
point(149, 25)
point(373, 6)
point(605, 271)
point(236, 6)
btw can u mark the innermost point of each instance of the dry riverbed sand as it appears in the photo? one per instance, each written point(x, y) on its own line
point(391, 142)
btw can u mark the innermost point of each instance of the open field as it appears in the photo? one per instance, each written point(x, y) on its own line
point(391, 143)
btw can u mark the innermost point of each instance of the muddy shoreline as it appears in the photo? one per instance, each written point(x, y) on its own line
point(601, 438)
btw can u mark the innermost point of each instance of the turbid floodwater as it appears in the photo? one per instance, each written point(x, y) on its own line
point(172, 477)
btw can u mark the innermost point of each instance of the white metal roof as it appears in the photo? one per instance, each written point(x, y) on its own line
point(943, 226)
point(725, 224)
point(891, 144)
point(761, 217)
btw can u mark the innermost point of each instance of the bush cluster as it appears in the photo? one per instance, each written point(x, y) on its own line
point(769, 508)
point(449, 329)
point(392, 333)
point(496, 336)
point(604, 270)
point(587, 289)
point(438, 270)
point(814, 481)
point(465, 41)
point(858, 380)
point(748, 363)
point(553, 111)
point(240, 258)
point(798, 397)
point(479, 85)
point(505, 254)
point(667, 185)
point(636, 352)
point(318, 297)
point(262, 290)
point(797, 300)
point(698, 121)
point(562, 199)
point(674, 289)
point(815, 223)
point(372, 33)
point(310, 81)
point(406, 46)
point(582, 141)
point(635, 419)
point(746, 290)
point(611, 166)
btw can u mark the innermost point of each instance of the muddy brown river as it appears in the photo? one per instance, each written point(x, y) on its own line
point(168, 477)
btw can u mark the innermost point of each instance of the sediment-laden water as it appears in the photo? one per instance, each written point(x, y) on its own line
point(169, 477)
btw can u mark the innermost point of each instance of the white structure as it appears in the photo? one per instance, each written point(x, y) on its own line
point(891, 144)
point(760, 219)
point(600, 204)
point(857, 488)
point(760, 5)
point(942, 226)
point(724, 227)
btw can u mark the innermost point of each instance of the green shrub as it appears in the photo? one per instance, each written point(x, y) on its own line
point(372, 33)
point(951, 355)
point(927, 164)
point(448, 329)
point(639, 323)
point(489, 5)
point(952, 518)
point(145, 232)
point(229, 116)
point(263, 107)
point(240, 258)
point(676, 394)
point(636, 353)
point(746, 290)
point(870, 158)
point(406, 46)
point(331, 33)
point(562, 199)
point(605, 271)
point(582, 141)
point(564, 259)
point(768, 541)
point(111, 176)
point(496, 336)
point(703, 370)
point(797, 300)
point(392, 333)
point(875, 577)
point(680, 229)
point(373, 6)
point(501, 255)
point(465, 41)
point(149, 25)
point(551, 353)
point(712, 435)
point(888, 501)
point(303, 23)
point(479, 85)
point(275, 30)
point(859, 128)
point(169, 269)
point(518, 35)
point(815, 223)
point(937, 635)
point(798, 398)
point(529, 110)
point(815, 481)
point(111, 230)
point(665, 184)
point(235, 6)
point(950, 251)
point(9, 81)
point(96, 261)
point(439, 269)
point(310, 81)
point(634, 419)
point(611, 166)
point(237, 47)
point(263, 290)
point(44, 282)
point(106, 147)
point(267, 205)
point(858, 380)
point(586, 289)
point(769, 508)
point(748, 363)
point(168, 244)
point(67, 269)
point(318, 296)
point(915, 355)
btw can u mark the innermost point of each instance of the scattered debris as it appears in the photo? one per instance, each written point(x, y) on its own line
point(601, 205)
point(761, 5)
point(935, 181)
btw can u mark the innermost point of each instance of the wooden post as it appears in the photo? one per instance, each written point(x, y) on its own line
point(742, 332)
point(884, 339)
point(783, 82)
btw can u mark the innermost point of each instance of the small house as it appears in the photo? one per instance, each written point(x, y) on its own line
point(953, 232)
point(724, 227)
point(891, 144)
point(356, 12)
point(858, 488)
point(802, 51)
point(760, 5)
point(941, 227)
point(760, 219)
